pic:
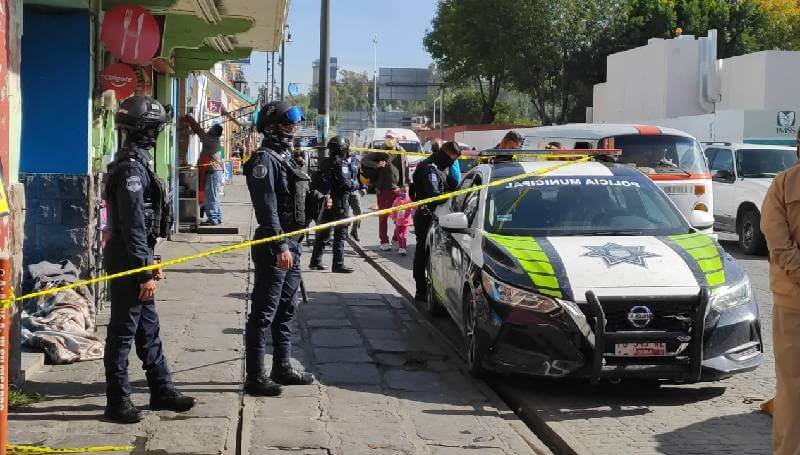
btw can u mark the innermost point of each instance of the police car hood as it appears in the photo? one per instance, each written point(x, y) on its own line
point(567, 267)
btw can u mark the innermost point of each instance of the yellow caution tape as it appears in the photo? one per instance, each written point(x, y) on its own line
point(22, 450)
point(274, 238)
point(544, 157)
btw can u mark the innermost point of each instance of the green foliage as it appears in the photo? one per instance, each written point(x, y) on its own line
point(18, 398)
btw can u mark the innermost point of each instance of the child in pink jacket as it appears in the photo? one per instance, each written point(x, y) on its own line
point(402, 220)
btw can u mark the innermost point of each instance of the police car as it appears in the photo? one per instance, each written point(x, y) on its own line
point(588, 270)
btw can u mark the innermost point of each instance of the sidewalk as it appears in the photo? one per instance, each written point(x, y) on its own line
point(386, 385)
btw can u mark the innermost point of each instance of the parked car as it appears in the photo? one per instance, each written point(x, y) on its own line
point(589, 270)
point(741, 175)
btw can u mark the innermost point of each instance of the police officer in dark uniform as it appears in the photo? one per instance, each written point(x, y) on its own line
point(139, 214)
point(338, 180)
point(430, 180)
point(273, 183)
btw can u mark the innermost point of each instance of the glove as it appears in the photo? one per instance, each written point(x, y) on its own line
point(362, 192)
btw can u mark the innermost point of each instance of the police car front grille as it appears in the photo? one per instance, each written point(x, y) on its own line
point(668, 316)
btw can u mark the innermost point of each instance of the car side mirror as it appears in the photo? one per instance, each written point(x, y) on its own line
point(723, 174)
point(455, 223)
point(701, 220)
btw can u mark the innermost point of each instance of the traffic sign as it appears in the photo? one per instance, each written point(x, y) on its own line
point(293, 89)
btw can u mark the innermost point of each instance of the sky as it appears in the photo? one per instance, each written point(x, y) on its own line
point(400, 25)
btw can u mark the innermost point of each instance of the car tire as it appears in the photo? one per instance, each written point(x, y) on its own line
point(433, 308)
point(751, 239)
point(475, 343)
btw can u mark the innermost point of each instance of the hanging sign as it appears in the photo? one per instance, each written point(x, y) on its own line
point(213, 106)
point(120, 78)
point(131, 33)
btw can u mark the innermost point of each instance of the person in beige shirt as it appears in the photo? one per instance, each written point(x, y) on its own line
point(780, 223)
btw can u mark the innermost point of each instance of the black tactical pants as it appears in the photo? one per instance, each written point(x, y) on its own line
point(273, 306)
point(422, 224)
point(339, 236)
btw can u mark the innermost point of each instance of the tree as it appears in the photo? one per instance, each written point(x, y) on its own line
point(476, 41)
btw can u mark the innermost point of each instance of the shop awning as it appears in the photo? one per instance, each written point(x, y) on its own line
point(227, 88)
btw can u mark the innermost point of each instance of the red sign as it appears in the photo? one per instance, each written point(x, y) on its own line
point(131, 34)
point(119, 77)
point(213, 106)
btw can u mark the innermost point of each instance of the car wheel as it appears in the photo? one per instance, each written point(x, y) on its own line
point(474, 340)
point(751, 238)
point(433, 308)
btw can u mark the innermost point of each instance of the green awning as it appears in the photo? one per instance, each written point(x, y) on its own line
point(228, 89)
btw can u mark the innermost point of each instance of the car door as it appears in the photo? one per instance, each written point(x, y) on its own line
point(723, 171)
point(439, 253)
point(458, 245)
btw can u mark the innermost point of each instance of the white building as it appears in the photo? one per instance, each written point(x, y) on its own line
point(680, 83)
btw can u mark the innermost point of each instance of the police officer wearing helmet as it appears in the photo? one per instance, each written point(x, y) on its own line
point(274, 183)
point(338, 180)
point(430, 179)
point(139, 214)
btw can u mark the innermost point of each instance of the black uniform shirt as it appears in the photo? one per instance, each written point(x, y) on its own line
point(129, 186)
point(268, 185)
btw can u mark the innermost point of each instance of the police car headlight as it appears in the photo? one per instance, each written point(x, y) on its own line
point(732, 296)
point(510, 295)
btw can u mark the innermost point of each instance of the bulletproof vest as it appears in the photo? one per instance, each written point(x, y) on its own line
point(157, 209)
point(299, 183)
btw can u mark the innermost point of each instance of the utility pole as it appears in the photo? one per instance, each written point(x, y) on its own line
point(272, 84)
point(283, 56)
point(441, 110)
point(323, 122)
point(375, 80)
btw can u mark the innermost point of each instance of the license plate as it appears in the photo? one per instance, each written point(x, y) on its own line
point(640, 349)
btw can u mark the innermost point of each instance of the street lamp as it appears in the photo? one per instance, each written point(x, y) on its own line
point(375, 79)
point(283, 57)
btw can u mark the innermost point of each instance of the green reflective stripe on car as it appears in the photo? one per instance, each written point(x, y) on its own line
point(533, 260)
point(706, 254)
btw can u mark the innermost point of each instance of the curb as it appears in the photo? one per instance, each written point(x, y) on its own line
point(541, 433)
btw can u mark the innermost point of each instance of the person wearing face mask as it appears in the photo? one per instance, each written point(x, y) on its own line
point(275, 187)
point(430, 180)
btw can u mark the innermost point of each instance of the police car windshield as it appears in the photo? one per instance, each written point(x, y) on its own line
point(582, 205)
point(663, 153)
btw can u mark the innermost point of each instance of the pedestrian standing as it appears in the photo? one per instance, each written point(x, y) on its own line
point(138, 216)
point(780, 223)
point(402, 220)
point(430, 180)
point(387, 183)
point(274, 184)
point(354, 199)
point(337, 183)
point(211, 154)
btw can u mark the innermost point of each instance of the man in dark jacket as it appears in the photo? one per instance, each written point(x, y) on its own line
point(430, 180)
point(338, 181)
point(136, 209)
point(273, 184)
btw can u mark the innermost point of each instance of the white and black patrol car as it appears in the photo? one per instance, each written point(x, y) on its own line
point(588, 270)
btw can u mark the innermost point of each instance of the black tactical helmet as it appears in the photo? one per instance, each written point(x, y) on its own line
point(277, 113)
point(338, 146)
point(142, 114)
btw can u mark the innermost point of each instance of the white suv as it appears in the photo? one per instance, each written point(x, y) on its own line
point(741, 175)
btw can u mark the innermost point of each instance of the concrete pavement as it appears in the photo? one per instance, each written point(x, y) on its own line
point(386, 385)
point(709, 418)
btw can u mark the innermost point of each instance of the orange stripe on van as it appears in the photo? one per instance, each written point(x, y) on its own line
point(648, 130)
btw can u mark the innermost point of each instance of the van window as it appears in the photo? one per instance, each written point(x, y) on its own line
point(663, 153)
point(408, 146)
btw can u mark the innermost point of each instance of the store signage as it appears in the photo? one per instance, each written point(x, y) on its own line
point(787, 122)
point(120, 78)
point(213, 106)
point(131, 33)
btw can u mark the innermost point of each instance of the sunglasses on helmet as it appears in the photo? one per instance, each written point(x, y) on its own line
point(294, 115)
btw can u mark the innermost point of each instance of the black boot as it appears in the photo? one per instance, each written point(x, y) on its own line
point(121, 410)
point(341, 268)
point(169, 399)
point(317, 266)
point(283, 373)
point(354, 235)
point(261, 386)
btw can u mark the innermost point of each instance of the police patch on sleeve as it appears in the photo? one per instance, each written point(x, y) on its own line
point(434, 179)
point(133, 183)
point(260, 171)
